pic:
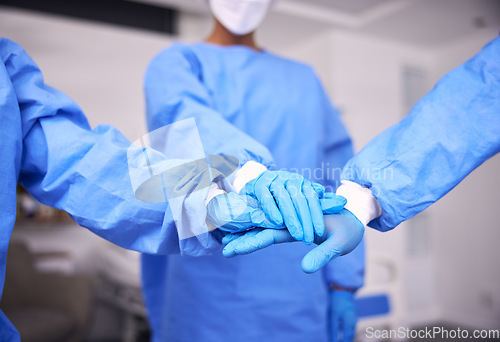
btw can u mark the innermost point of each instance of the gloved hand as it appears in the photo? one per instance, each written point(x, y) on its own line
point(290, 199)
point(342, 316)
point(234, 213)
point(342, 234)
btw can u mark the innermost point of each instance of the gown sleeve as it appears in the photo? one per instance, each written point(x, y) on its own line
point(84, 172)
point(447, 134)
point(175, 91)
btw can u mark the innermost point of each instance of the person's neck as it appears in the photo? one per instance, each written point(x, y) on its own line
point(221, 36)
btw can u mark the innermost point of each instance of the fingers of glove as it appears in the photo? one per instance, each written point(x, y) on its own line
point(258, 216)
point(332, 204)
point(236, 224)
point(266, 199)
point(235, 227)
point(346, 231)
point(320, 256)
point(301, 205)
point(231, 237)
point(287, 209)
point(314, 208)
point(259, 219)
point(320, 189)
point(263, 239)
point(229, 249)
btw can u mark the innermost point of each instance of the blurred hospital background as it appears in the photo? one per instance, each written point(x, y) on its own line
point(375, 57)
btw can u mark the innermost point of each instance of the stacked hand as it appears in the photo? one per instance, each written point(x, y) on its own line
point(280, 199)
point(290, 199)
point(234, 213)
point(343, 232)
point(275, 199)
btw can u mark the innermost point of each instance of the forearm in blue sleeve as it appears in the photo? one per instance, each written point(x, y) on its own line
point(347, 271)
point(86, 173)
point(174, 92)
point(446, 135)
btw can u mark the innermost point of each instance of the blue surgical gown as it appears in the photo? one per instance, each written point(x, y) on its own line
point(48, 146)
point(242, 100)
point(447, 134)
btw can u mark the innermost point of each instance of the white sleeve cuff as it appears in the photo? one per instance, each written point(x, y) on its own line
point(250, 170)
point(360, 201)
point(213, 191)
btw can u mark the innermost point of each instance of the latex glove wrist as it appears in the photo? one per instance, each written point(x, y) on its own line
point(360, 201)
point(249, 171)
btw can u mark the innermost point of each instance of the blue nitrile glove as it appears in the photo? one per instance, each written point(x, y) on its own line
point(342, 316)
point(290, 199)
point(235, 213)
point(331, 203)
point(342, 234)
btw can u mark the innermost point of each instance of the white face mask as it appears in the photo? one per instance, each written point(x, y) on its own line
point(240, 16)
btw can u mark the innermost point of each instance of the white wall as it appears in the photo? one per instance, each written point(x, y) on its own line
point(467, 226)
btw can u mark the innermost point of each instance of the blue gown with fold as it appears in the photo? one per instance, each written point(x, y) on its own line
point(243, 99)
